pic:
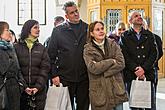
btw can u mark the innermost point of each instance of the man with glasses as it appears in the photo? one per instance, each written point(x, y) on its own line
point(67, 44)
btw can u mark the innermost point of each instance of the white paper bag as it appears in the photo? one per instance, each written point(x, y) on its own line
point(140, 94)
point(58, 98)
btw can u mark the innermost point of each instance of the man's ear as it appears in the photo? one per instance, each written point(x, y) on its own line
point(130, 21)
point(66, 16)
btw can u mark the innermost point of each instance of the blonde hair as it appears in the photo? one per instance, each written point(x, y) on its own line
point(120, 24)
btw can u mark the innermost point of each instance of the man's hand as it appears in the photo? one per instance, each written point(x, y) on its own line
point(56, 80)
point(139, 71)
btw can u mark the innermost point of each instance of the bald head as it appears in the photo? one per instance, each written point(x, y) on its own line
point(135, 18)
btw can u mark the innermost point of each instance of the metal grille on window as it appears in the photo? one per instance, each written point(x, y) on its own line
point(113, 17)
point(31, 9)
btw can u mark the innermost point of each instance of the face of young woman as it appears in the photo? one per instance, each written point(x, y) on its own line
point(6, 35)
point(35, 30)
point(98, 33)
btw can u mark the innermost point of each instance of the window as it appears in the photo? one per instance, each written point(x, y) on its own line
point(158, 22)
point(32, 9)
point(93, 16)
point(113, 17)
point(141, 11)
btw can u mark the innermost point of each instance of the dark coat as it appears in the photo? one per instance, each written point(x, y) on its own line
point(10, 70)
point(160, 49)
point(138, 53)
point(115, 37)
point(68, 47)
point(35, 66)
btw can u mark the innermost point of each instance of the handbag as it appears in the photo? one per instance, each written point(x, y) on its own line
point(140, 94)
point(58, 98)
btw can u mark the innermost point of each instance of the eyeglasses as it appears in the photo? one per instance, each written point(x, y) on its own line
point(120, 29)
point(7, 30)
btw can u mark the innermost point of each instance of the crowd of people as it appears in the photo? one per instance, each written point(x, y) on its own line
point(98, 69)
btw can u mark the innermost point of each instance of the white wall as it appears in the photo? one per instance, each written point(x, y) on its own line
point(9, 13)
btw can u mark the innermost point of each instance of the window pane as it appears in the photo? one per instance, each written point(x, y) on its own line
point(24, 11)
point(31, 9)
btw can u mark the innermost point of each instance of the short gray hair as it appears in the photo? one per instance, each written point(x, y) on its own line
point(68, 4)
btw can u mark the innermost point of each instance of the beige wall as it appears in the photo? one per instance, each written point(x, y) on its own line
point(83, 10)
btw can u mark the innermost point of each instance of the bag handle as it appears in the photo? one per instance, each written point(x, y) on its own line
point(137, 78)
point(60, 85)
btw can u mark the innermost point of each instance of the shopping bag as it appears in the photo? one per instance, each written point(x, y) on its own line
point(140, 94)
point(58, 98)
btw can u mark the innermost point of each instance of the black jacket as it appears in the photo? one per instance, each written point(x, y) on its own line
point(138, 53)
point(160, 49)
point(68, 48)
point(35, 65)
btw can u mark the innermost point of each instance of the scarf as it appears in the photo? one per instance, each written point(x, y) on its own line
point(30, 41)
point(100, 45)
point(5, 45)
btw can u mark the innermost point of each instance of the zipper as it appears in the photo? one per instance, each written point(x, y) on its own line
point(29, 77)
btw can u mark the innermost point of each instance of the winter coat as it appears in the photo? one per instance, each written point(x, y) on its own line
point(106, 86)
point(35, 66)
point(14, 80)
point(140, 52)
point(65, 45)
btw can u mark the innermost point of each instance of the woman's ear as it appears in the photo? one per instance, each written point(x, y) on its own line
point(91, 33)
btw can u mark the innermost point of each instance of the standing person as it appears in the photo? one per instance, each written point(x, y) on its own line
point(105, 62)
point(10, 74)
point(140, 54)
point(57, 21)
point(67, 43)
point(13, 37)
point(116, 34)
point(159, 50)
point(35, 65)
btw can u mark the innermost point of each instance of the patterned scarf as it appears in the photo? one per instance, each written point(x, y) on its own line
point(5, 45)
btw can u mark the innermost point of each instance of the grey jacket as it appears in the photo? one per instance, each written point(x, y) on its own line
point(10, 71)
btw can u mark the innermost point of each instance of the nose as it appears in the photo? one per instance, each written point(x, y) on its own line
point(75, 13)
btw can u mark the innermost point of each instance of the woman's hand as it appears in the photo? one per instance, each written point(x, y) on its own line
point(28, 90)
point(34, 90)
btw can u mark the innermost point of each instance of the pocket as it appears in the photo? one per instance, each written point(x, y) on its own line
point(97, 94)
point(119, 90)
point(118, 85)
